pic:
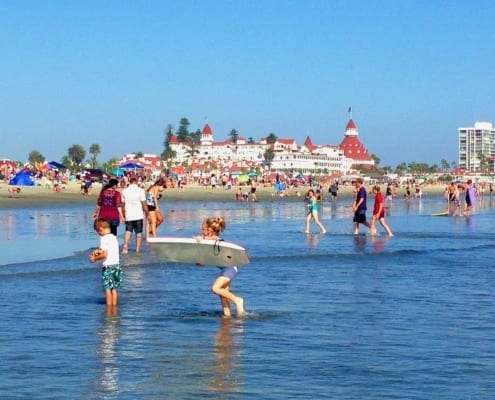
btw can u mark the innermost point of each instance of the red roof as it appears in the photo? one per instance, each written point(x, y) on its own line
point(350, 125)
point(287, 141)
point(10, 163)
point(309, 144)
point(179, 170)
point(354, 149)
point(206, 130)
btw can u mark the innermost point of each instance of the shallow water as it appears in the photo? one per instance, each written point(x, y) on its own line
point(330, 316)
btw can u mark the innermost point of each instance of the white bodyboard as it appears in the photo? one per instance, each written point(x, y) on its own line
point(440, 214)
point(205, 252)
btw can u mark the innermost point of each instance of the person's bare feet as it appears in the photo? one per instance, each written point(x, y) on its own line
point(125, 250)
point(240, 306)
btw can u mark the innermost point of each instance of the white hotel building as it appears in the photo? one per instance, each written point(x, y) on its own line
point(288, 155)
point(475, 141)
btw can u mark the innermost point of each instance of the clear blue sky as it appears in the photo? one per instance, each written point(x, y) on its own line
point(116, 73)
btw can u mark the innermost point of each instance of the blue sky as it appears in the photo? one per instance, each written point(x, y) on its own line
point(116, 73)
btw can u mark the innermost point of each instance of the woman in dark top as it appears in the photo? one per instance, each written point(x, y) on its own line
point(109, 205)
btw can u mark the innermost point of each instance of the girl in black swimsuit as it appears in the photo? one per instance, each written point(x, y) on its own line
point(155, 217)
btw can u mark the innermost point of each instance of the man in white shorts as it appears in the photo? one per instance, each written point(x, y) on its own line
point(135, 209)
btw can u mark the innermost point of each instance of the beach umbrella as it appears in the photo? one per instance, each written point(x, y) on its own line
point(118, 172)
point(10, 163)
point(243, 178)
point(131, 165)
point(22, 178)
point(236, 173)
point(56, 165)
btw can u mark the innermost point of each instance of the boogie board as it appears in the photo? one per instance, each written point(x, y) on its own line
point(206, 252)
point(440, 214)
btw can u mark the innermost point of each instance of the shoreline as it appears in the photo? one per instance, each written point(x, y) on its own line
point(30, 196)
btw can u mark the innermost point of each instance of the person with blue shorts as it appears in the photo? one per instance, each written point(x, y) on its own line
point(210, 229)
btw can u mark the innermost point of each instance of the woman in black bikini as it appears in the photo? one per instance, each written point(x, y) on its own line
point(155, 217)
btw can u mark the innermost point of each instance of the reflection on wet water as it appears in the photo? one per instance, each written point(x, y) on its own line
point(352, 317)
point(226, 373)
point(109, 371)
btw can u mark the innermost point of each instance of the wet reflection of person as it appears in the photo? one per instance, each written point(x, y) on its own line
point(225, 379)
point(108, 378)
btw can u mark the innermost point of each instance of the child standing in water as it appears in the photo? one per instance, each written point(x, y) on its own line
point(313, 211)
point(210, 229)
point(108, 252)
point(379, 212)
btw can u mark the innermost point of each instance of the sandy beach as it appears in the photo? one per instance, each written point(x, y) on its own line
point(32, 195)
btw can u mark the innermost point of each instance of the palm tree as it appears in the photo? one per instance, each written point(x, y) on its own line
point(445, 165)
point(271, 138)
point(168, 153)
point(94, 150)
point(35, 157)
point(234, 135)
point(269, 155)
point(76, 153)
point(194, 140)
point(483, 161)
point(401, 168)
point(183, 132)
point(376, 159)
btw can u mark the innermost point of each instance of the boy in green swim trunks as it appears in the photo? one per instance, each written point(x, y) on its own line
point(108, 253)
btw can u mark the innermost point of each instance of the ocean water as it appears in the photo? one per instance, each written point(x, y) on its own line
point(332, 316)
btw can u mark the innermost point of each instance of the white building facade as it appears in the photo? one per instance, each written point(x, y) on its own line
point(288, 155)
point(477, 147)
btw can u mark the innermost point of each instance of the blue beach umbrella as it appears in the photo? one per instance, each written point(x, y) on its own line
point(56, 165)
point(131, 165)
point(118, 172)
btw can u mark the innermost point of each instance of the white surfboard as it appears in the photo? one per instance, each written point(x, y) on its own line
point(206, 252)
point(440, 214)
